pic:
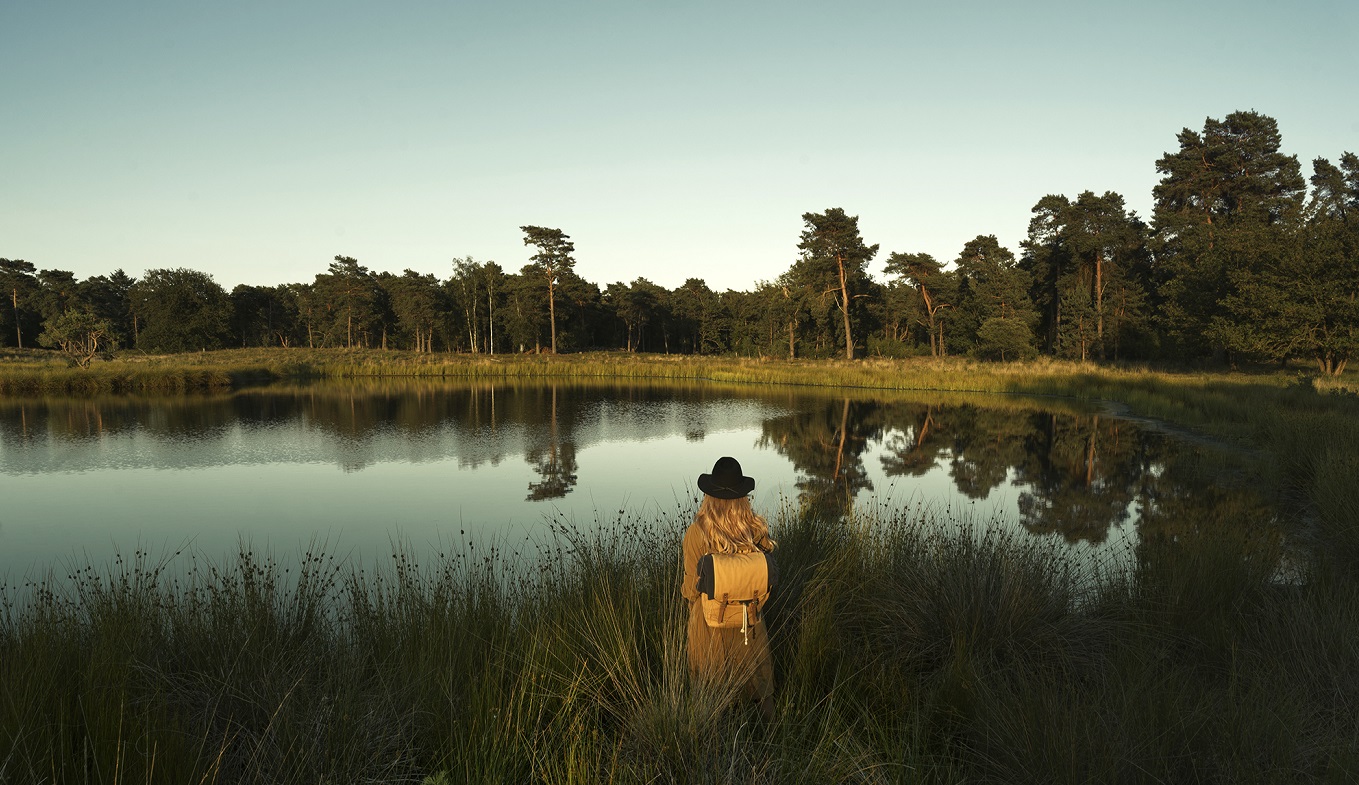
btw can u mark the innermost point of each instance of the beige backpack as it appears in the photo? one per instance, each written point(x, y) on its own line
point(733, 588)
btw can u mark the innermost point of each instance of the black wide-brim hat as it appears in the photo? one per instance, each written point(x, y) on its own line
point(726, 480)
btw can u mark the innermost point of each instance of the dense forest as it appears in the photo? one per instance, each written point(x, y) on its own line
point(1240, 261)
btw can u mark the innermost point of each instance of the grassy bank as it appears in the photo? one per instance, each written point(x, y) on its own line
point(34, 372)
point(908, 649)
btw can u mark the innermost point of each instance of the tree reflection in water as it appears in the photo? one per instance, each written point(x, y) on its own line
point(555, 461)
point(826, 445)
point(1064, 470)
point(1078, 475)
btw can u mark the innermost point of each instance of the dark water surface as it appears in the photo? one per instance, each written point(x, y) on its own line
point(357, 466)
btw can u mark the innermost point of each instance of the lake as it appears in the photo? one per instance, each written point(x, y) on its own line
point(356, 467)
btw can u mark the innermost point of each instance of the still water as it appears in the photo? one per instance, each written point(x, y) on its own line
point(356, 467)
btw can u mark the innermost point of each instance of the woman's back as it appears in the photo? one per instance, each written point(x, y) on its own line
point(726, 523)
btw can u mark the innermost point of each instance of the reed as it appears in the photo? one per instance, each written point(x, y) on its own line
point(129, 371)
point(909, 646)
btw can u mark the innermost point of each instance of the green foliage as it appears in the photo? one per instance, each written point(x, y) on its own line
point(700, 318)
point(264, 316)
point(1001, 338)
point(937, 291)
point(582, 313)
point(108, 297)
point(1228, 205)
point(990, 286)
point(1301, 299)
point(80, 335)
point(1090, 274)
point(58, 292)
point(645, 311)
point(19, 306)
point(896, 349)
point(550, 265)
point(180, 310)
point(346, 307)
point(525, 311)
point(419, 306)
point(476, 292)
point(834, 261)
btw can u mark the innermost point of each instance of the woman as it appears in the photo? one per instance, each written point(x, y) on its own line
point(726, 524)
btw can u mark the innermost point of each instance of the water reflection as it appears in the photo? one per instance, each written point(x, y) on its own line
point(826, 443)
point(1050, 467)
point(1079, 474)
point(554, 459)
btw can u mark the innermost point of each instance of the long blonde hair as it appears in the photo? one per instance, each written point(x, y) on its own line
point(731, 525)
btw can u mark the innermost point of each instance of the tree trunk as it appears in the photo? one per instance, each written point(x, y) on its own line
point(1090, 454)
point(18, 329)
point(1330, 364)
point(840, 446)
point(844, 308)
point(1099, 298)
point(552, 312)
point(471, 315)
point(930, 310)
point(923, 431)
point(1055, 331)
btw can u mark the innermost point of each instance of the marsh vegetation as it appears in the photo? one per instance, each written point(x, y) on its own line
point(908, 649)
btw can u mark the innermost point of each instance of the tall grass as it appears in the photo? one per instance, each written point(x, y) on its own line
point(909, 647)
point(38, 372)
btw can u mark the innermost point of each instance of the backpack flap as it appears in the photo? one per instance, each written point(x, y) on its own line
point(733, 587)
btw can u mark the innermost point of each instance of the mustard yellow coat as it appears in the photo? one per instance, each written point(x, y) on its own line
point(716, 653)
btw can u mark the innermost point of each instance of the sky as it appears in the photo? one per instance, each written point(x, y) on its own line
point(255, 141)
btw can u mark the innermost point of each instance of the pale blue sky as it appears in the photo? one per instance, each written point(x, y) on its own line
point(257, 140)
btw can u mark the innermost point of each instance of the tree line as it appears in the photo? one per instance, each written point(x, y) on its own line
point(1240, 260)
